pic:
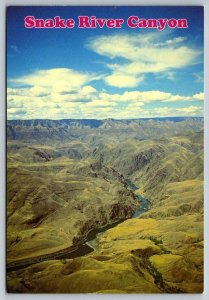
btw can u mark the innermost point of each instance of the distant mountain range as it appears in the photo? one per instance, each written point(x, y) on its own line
point(71, 128)
point(93, 123)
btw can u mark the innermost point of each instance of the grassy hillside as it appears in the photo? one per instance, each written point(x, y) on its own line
point(58, 191)
point(53, 204)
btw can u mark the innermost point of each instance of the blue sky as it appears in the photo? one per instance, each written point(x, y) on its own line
point(104, 73)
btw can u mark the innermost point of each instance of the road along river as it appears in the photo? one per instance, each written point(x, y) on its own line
point(83, 247)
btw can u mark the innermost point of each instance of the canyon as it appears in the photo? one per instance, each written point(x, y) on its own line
point(68, 177)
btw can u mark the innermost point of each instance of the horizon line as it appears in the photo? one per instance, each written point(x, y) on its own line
point(139, 118)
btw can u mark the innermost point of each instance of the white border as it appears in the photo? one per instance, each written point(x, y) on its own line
point(3, 4)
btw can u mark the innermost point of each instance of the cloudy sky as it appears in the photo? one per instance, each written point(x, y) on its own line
point(104, 73)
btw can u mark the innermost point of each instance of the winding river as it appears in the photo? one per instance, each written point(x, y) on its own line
point(83, 247)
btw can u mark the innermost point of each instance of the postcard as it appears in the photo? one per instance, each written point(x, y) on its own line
point(105, 149)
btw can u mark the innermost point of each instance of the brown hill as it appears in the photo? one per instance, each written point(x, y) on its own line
point(58, 191)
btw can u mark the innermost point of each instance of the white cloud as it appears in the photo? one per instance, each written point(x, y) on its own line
point(118, 79)
point(64, 93)
point(39, 91)
point(191, 109)
point(87, 102)
point(57, 80)
point(183, 111)
point(101, 104)
point(142, 54)
point(176, 40)
point(28, 92)
point(86, 90)
point(144, 97)
point(199, 96)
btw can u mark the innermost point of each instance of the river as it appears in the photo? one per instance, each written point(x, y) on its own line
point(84, 247)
